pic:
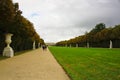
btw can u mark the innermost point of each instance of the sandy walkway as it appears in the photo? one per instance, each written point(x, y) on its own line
point(33, 65)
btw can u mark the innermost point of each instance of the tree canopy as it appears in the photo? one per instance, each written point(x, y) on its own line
point(11, 21)
point(97, 37)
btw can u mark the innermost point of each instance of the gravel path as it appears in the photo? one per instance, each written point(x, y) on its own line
point(33, 65)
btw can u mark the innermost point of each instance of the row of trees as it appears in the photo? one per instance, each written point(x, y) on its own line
point(99, 36)
point(11, 21)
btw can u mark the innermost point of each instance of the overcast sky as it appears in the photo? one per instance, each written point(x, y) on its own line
point(56, 20)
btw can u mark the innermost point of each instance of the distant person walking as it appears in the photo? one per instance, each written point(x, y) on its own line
point(44, 47)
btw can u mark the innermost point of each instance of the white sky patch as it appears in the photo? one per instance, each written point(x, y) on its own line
point(56, 20)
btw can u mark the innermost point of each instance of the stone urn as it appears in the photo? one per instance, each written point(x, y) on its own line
point(8, 51)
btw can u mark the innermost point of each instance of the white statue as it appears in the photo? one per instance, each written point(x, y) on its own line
point(38, 45)
point(76, 45)
point(87, 44)
point(8, 51)
point(70, 45)
point(110, 44)
point(34, 45)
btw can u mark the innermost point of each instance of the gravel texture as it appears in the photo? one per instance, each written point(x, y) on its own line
point(32, 65)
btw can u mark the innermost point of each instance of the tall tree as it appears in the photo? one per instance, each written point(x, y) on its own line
point(116, 32)
point(98, 28)
point(11, 21)
point(6, 15)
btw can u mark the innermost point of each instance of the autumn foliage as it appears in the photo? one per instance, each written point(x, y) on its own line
point(11, 21)
point(99, 36)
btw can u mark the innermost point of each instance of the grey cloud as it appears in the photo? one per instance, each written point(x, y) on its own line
point(57, 20)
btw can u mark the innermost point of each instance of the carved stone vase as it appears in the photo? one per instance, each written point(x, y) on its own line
point(8, 51)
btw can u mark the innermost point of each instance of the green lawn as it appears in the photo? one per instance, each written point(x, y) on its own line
point(89, 63)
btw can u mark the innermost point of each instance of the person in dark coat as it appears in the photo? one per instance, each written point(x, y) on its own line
point(44, 47)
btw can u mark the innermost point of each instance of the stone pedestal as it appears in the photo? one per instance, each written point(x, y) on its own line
point(8, 51)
